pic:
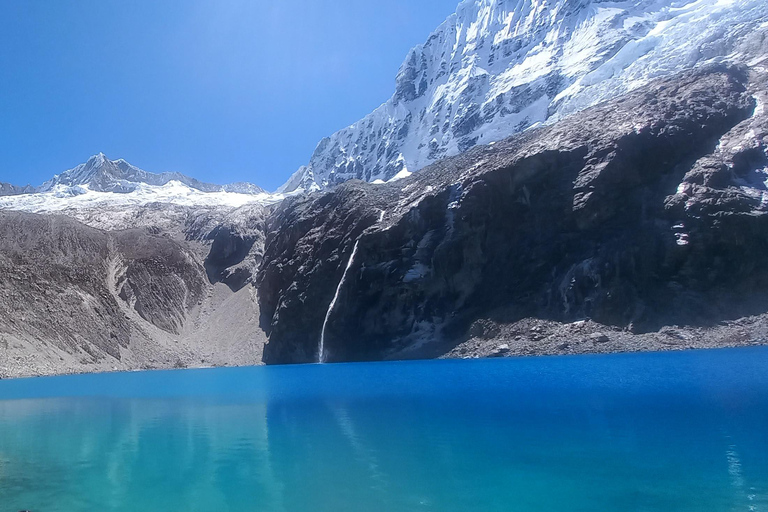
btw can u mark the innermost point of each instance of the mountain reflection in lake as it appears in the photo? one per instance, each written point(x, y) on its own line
point(679, 431)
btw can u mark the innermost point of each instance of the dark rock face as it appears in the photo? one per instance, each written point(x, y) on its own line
point(310, 241)
point(645, 210)
point(237, 247)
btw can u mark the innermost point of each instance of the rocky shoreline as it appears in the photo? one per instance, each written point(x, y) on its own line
point(534, 337)
point(526, 338)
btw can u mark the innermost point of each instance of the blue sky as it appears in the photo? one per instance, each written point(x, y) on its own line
point(222, 90)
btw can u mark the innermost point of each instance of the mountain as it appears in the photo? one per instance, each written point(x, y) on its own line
point(641, 223)
point(6, 189)
point(110, 191)
point(499, 67)
point(100, 174)
point(637, 223)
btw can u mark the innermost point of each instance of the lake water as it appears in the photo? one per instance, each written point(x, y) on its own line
point(641, 432)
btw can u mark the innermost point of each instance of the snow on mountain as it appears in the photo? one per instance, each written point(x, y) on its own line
point(104, 175)
point(101, 183)
point(62, 197)
point(497, 67)
point(6, 189)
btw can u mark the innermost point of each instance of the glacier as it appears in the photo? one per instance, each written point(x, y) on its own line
point(498, 67)
point(101, 184)
point(61, 198)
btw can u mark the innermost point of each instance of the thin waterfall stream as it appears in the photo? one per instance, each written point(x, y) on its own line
point(321, 348)
point(321, 351)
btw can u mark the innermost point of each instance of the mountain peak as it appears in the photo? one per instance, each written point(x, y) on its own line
point(97, 160)
point(101, 185)
point(100, 174)
point(497, 67)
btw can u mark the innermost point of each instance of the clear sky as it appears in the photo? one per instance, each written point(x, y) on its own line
point(222, 90)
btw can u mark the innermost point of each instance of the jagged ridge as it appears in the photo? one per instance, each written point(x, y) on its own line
point(105, 185)
point(497, 67)
point(103, 175)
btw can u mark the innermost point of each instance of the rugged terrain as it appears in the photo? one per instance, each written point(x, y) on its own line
point(498, 67)
point(170, 294)
point(639, 223)
point(644, 212)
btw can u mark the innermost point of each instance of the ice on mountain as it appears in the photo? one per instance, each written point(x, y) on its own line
point(497, 67)
point(103, 183)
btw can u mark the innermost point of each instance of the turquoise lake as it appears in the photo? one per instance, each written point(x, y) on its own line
point(683, 431)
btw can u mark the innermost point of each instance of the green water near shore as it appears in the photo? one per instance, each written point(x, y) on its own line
point(673, 432)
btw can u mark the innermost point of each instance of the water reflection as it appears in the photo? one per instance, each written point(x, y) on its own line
point(122, 454)
point(477, 444)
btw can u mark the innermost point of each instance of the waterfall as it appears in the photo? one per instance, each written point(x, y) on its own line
point(321, 348)
point(321, 351)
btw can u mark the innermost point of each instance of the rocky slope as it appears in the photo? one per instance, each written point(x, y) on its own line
point(497, 67)
point(76, 298)
point(646, 211)
point(129, 269)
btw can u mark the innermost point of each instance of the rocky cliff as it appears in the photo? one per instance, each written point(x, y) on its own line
point(645, 211)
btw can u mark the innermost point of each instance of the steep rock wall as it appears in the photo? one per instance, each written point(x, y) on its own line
point(633, 213)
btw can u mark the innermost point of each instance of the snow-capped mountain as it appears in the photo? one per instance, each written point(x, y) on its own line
point(103, 175)
point(497, 67)
point(6, 189)
point(101, 183)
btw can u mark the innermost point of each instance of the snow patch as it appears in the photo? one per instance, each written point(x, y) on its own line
point(418, 271)
point(400, 176)
point(759, 109)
